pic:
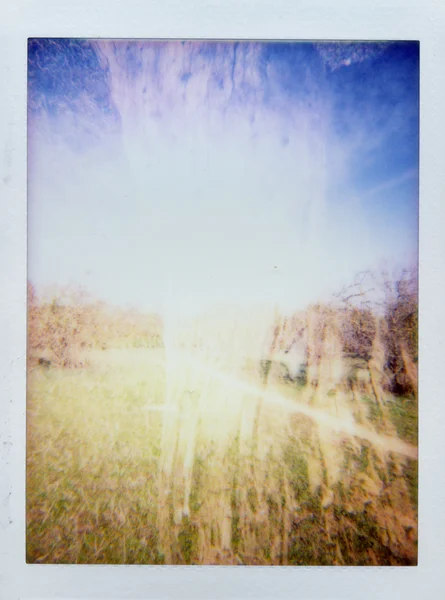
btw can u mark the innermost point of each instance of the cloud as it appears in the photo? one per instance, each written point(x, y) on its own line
point(410, 175)
point(336, 55)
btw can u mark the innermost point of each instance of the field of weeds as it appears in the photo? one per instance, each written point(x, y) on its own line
point(231, 472)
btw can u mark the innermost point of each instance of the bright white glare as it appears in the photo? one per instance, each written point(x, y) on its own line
point(201, 208)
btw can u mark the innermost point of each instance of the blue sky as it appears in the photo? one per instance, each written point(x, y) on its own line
point(203, 172)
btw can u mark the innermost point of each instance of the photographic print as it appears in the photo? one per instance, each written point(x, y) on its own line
point(222, 354)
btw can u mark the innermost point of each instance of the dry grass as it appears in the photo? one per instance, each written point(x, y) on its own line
point(92, 462)
point(297, 493)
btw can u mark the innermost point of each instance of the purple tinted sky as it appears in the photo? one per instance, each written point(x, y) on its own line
point(209, 171)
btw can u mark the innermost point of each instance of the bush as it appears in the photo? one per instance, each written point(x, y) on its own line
point(62, 327)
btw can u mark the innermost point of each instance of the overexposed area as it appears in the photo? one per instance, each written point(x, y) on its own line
point(222, 302)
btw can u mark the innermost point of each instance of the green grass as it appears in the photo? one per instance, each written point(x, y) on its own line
point(404, 415)
point(375, 414)
point(364, 458)
point(411, 477)
point(188, 538)
point(94, 493)
point(297, 469)
point(235, 524)
point(91, 465)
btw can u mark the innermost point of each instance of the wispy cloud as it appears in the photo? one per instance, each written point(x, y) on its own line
point(410, 175)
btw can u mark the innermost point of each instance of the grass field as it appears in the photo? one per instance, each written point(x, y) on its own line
point(263, 485)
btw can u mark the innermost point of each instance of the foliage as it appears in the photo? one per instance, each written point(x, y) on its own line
point(62, 325)
point(402, 334)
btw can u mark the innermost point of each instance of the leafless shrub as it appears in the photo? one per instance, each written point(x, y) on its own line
point(61, 326)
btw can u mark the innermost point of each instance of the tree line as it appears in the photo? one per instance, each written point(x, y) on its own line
point(373, 321)
point(62, 325)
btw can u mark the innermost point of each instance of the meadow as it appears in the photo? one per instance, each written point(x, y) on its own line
point(270, 475)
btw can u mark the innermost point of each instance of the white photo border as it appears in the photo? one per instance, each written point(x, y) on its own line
point(225, 19)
